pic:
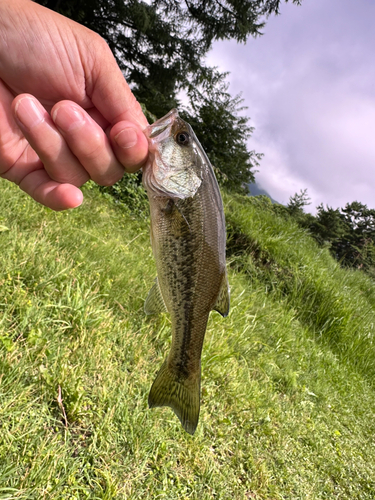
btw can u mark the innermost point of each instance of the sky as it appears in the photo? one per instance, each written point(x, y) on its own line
point(309, 85)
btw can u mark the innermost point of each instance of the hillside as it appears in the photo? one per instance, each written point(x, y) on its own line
point(288, 389)
point(256, 190)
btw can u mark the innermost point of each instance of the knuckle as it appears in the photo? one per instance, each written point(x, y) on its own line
point(93, 154)
point(92, 147)
point(107, 179)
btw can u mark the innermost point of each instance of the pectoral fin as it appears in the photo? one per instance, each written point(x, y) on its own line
point(223, 299)
point(154, 303)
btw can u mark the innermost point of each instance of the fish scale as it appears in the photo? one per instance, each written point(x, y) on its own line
point(188, 242)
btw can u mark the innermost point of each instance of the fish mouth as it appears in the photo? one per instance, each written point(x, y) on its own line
point(162, 177)
point(161, 127)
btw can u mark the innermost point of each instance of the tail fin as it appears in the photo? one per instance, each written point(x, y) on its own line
point(183, 396)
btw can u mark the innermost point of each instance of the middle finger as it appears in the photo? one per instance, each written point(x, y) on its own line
point(88, 142)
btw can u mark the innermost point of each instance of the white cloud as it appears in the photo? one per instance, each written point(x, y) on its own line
point(309, 86)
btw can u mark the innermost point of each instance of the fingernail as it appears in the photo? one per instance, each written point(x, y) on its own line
point(68, 118)
point(127, 138)
point(29, 112)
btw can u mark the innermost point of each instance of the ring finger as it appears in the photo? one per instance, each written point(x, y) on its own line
point(41, 133)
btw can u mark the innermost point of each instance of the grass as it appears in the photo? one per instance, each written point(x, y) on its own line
point(336, 305)
point(288, 378)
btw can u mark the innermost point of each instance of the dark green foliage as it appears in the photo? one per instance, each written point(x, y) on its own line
point(348, 232)
point(143, 35)
point(129, 193)
point(297, 202)
point(295, 209)
point(223, 132)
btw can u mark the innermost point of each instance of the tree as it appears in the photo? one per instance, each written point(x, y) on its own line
point(166, 39)
point(216, 120)
point(295, 209)
point(360, 248)
point(331, 229)
point(348, 232)
point(297, 202)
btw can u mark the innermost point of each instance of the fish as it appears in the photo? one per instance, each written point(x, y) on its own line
point(188, 240)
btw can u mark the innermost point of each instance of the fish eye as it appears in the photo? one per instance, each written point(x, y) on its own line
point(182, 138)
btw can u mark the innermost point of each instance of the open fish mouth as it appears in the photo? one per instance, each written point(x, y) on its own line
point(171, 166)
point(161, 126)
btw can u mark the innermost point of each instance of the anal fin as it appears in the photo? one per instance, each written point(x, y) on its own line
point(154, 303)
point(222, 303)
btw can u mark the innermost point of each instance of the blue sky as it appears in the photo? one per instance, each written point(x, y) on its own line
point(309, 85)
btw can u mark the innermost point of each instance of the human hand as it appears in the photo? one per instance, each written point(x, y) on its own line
point(67, 114)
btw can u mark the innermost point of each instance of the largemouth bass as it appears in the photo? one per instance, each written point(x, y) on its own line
point(188, 243)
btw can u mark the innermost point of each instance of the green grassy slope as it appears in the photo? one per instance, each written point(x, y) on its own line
point(288, 378)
